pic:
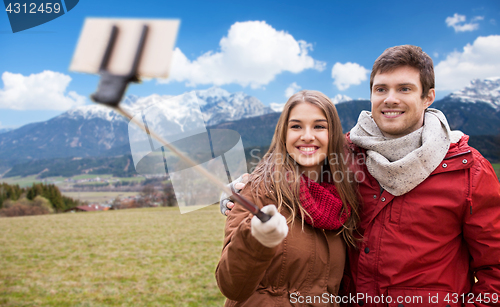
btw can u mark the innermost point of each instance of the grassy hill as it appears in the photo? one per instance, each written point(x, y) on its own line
point(135, 257)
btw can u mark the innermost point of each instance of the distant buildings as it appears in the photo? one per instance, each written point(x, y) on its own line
point(87, 208)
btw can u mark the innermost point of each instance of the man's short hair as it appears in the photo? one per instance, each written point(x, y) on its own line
point(406, 55)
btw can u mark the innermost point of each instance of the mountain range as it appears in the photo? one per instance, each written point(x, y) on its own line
point(485, 91)
point(95, 131)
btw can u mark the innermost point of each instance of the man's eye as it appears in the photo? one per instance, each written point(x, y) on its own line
point(379, 90)
point(405, 89)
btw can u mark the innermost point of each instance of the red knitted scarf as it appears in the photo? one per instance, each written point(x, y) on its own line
point(323, 203)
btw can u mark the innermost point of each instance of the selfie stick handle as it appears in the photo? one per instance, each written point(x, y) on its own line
point(112, 87)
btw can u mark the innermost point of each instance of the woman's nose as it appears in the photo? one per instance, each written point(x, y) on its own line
point(307, 136)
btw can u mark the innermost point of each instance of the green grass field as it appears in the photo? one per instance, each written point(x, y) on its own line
point(134, 257)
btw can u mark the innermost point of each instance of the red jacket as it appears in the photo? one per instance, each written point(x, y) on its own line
point(430, 244)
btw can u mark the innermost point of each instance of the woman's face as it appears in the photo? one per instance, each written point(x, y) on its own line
point(307, 138)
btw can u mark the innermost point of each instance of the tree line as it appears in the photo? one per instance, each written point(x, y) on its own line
point(38, 199)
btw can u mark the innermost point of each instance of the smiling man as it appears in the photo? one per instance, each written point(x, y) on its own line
point(399, 102)
point(429, 232)
point(430, 219)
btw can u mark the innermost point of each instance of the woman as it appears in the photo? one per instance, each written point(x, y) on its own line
point(297, 256)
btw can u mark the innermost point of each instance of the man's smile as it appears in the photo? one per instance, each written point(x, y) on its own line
point(392, 114)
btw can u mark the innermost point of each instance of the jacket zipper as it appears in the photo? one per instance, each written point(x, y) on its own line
point(459, 154)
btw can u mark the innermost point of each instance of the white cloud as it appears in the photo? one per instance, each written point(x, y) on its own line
point(457, 22)
point(477, 61)
point(292, 89)
point(252, 53)
point(43, 91)
point(277, 107)
point(348, 74)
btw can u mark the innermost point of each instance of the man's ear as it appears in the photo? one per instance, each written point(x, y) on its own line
point(431, 96)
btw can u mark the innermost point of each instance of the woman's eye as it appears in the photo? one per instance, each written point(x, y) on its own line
point(320, 127)
point(295, 127)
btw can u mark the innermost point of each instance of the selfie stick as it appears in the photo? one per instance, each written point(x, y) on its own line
point(110, 91)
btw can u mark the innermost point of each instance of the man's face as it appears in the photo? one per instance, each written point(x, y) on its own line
point(397, 106)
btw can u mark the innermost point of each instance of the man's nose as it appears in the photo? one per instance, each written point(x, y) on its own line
point(391, 98)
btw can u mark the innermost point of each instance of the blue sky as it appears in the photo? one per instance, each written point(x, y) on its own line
point(261, 48)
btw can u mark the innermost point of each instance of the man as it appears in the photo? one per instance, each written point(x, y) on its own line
point(430, 216)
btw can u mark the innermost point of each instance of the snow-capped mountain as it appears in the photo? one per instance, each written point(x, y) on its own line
point(339, 98)
point(278, 107)
point(486, 90)
point(217, 105)
point(95, 130)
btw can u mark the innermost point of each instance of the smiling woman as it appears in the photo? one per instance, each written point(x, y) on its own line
point(260, 263)
point(307, 138)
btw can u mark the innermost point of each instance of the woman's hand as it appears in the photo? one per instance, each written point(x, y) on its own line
point(272, 232)
point(226, 203)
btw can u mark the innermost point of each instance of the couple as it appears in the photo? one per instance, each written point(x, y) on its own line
point(412, 205)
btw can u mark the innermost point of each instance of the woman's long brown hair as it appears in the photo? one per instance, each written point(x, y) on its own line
point(278, 173)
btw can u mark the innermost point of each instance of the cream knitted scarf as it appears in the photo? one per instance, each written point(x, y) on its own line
point(400, 164)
